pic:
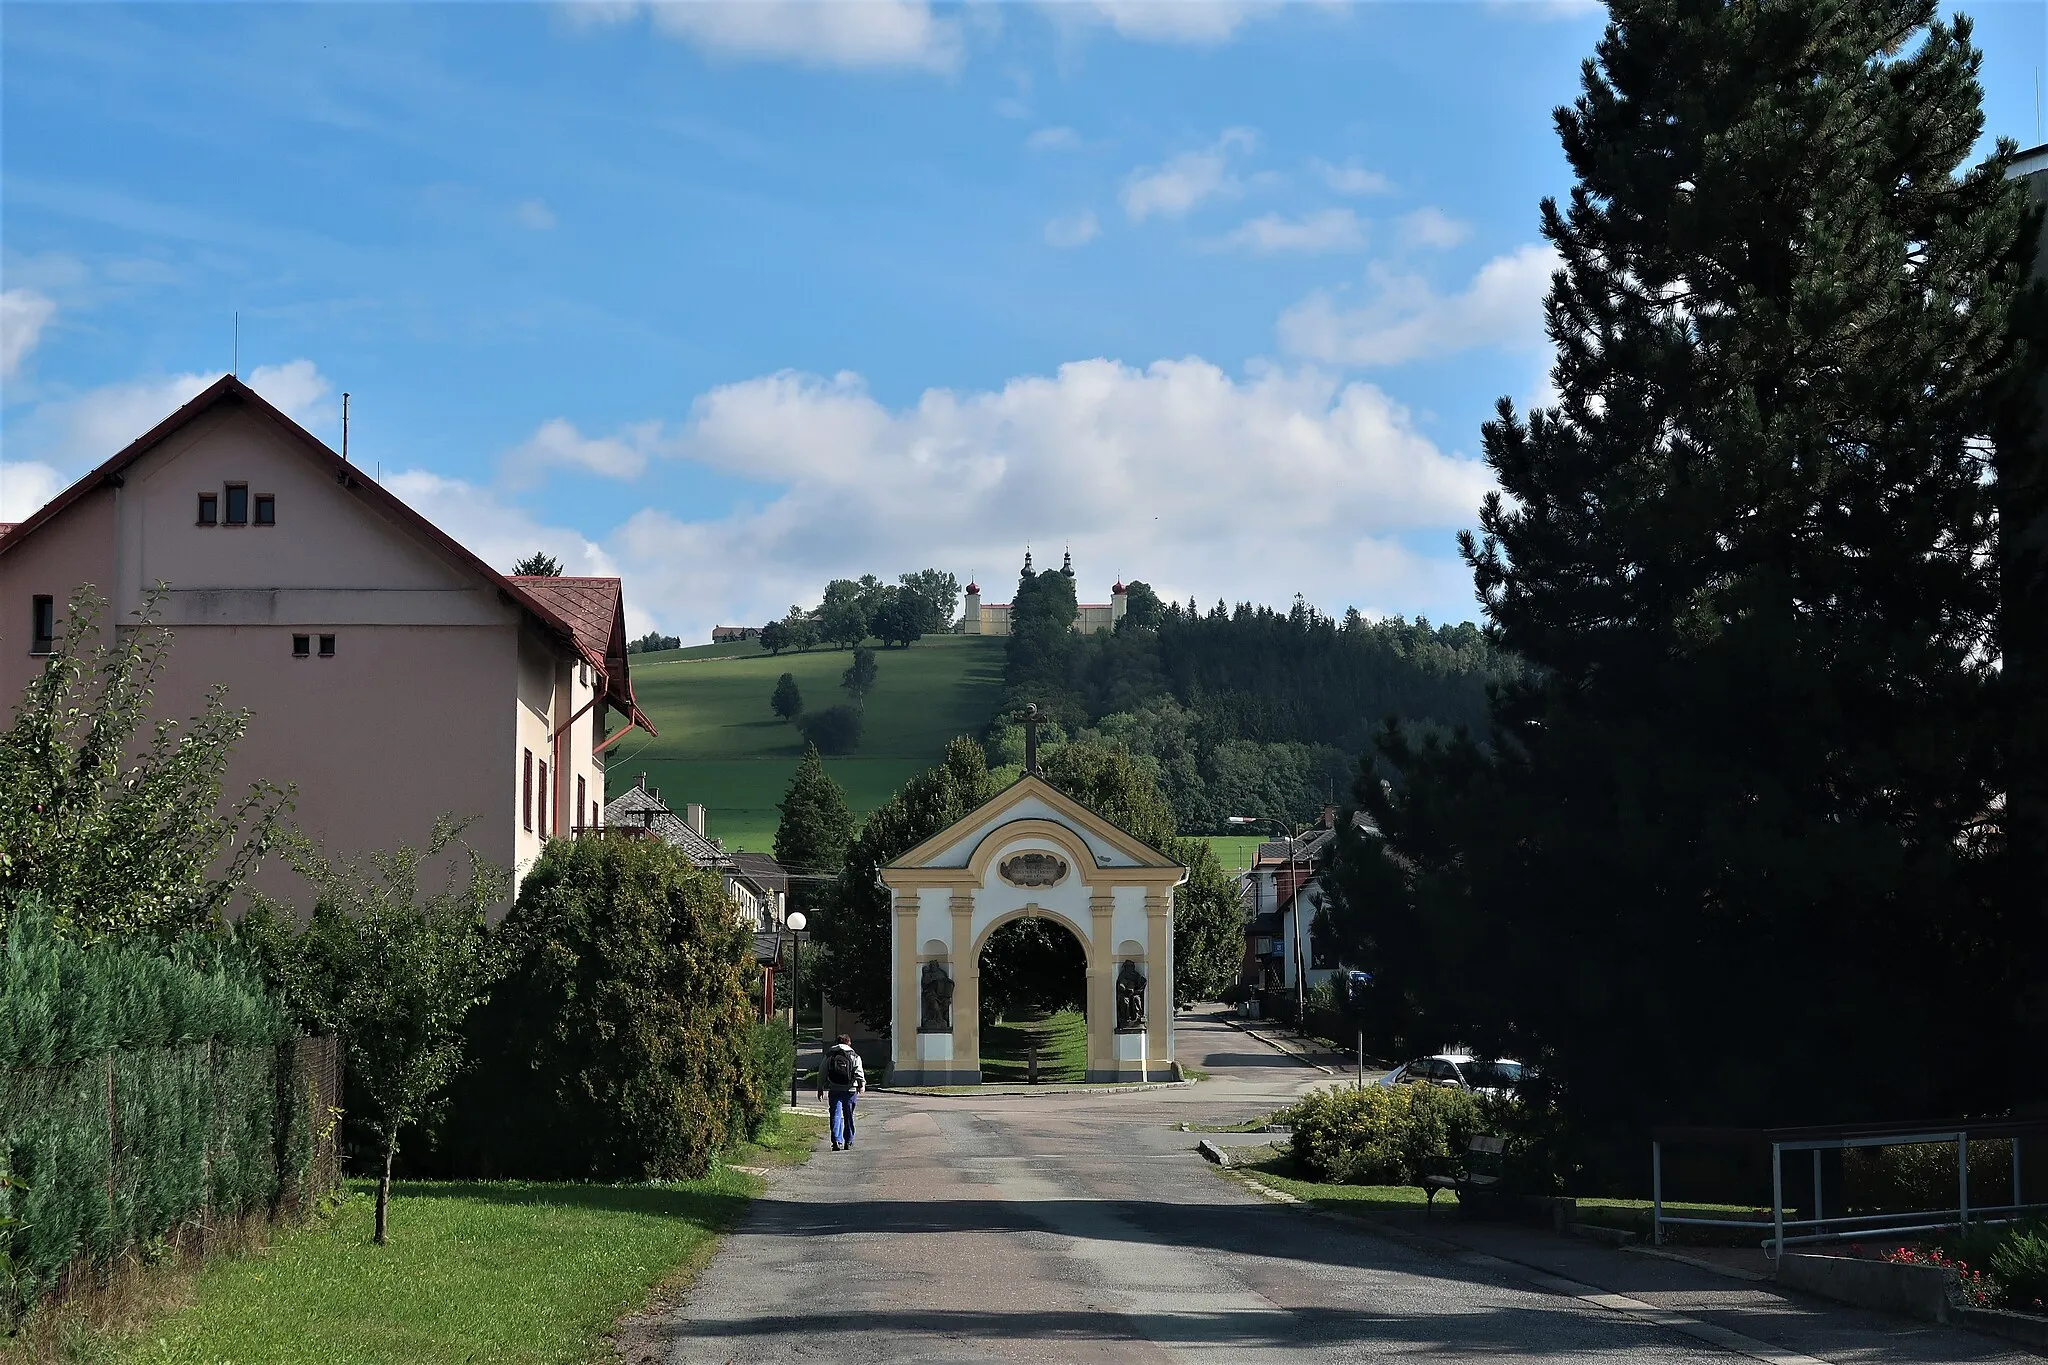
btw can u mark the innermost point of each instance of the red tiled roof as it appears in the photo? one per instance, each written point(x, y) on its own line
point(228, 392)
point(594, 609)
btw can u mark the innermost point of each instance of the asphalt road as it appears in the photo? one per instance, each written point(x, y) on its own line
point(1083, 1228)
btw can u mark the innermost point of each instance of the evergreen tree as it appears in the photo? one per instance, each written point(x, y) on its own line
point(859, 678)
point(815, 828)
point(1750, 554)
point(539, 564)
point(855, 933)
point(788, 701)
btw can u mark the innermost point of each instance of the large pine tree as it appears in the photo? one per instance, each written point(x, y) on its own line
point(816, 826)
point(1721, 858)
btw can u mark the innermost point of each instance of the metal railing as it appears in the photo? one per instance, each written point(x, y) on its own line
point(1787, 1232)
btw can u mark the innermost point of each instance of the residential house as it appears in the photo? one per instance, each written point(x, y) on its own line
point(391, 675)
point(1281, 894)
point(725, 634)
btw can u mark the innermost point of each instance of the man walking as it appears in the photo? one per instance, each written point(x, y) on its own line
point(841, 1075)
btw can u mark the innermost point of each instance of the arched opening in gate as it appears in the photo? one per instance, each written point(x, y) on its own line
point(1033, 976)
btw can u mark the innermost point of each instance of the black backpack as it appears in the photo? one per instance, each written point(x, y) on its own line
point(839, 1069)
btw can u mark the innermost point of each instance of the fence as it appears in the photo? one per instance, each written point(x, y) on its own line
point(155, 1148)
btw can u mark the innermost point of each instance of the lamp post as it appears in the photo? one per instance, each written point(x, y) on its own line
point(796, 923)
point(1294, 889)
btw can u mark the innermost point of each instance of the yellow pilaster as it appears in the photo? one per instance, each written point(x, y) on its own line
point(1158, 978)
point(966, 985)
point(904, 1042)
point(1101, 997)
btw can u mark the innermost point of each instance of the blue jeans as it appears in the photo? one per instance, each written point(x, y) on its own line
point(842, 1117)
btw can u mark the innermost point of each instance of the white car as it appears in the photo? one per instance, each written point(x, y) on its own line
point(1459, 1071)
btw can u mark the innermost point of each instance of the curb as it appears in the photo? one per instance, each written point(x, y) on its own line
point(1213, 1154)
point(1283, 1051)
point(1700, 1263)
point(982, 1093)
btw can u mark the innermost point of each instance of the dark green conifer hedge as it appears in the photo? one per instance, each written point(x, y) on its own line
point(144, 1095)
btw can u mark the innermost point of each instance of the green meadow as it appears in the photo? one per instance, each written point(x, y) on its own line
point(722, 745)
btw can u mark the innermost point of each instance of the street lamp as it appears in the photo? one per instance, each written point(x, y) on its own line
point(796, 923)
point(1294, 888)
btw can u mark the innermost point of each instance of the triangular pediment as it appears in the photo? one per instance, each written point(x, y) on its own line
point(1031, 797)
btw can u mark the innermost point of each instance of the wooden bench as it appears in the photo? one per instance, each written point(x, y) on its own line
point(1480, 1170)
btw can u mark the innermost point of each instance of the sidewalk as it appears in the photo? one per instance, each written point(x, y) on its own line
point(1307, 1051)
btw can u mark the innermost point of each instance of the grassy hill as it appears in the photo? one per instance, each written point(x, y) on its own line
point(721, 744)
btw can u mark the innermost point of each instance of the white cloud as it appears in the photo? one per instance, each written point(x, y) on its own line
point(1408, 320)
point(557, 444)
point(1146, 472)
point(1052, 139)
point(1202, 23)
point(492, 529)
point(858, 34)
point(1351, 178)
point(1325, 230)
point(1072, 230)
point(26, 485)
point(1431, 227)
point(72, 435)
point(23, 315)
point(535, 214)
point(1184, 181)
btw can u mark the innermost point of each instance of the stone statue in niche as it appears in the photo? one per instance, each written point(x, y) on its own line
point(936, 995)
point(1130, 997)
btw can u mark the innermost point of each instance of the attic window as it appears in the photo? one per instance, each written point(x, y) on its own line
point(302, 646)
point(209, 509)
point(266, 509)
point(238, 504)
point(327, 646)
point(43, 625)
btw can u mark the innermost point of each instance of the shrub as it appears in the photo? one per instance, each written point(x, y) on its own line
point(774, 1063)
point(142, 1091)
point(618, 1045)
point(1923, 1175)
point(1383, 1135)
point(835, 730)
point(2020, 1265)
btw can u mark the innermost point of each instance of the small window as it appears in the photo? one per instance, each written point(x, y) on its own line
point(43, 625)
point(327, 646)
point(209, 509)
point(238, 504)
point(526, 792)
point(266, 509)
point(582, 794)
point(302, 645)
point(547, 798)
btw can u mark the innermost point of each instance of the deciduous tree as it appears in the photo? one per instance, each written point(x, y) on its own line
point(859, 678)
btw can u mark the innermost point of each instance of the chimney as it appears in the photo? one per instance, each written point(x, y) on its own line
point(641, 782)
point(1329, 817)
point(693, 816)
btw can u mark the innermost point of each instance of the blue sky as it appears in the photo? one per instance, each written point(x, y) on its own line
point(732, 299)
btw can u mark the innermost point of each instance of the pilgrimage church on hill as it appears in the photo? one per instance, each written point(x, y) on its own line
point(993, 618)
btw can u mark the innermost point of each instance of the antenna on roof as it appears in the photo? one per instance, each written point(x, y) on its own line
point(344, 433)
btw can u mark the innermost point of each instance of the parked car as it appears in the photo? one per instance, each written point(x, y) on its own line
point(1461, 1071)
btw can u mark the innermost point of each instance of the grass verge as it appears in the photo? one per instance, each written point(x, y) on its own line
point(500, 1271)
point(1062, 1040)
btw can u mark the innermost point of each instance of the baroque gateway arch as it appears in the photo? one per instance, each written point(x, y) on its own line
point(1031, 850)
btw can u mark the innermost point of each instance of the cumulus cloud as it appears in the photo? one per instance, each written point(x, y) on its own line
point(26, 485)
point(71, 435)
point(1145, 472)
point(1431, 227)
point(1072, 230)
point(23, 315)
point(1199, 23)
point(1351, 178)
point(1407, 319)
point(1175, 187)
point(1325, 230)
point(557, 444)
point(492, 529)
point(535, 214)
point(870, 34)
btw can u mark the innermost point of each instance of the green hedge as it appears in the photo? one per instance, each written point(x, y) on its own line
point(774, 1065)
point(1383, 1135)
point(142, 1094)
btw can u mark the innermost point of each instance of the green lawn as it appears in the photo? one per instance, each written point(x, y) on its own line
point(1234, 851)
point(498, 1271)
point(1062, 1040)
point(720, 743)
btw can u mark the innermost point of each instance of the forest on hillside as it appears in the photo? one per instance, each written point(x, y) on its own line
point(1246, 710)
